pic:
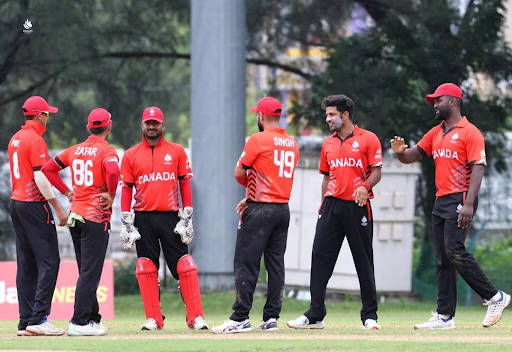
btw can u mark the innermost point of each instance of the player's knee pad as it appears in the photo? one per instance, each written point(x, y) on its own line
point(189, 286)
point(147, 276)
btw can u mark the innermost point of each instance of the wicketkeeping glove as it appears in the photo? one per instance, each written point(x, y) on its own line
point(129, 233)
point(184, 227)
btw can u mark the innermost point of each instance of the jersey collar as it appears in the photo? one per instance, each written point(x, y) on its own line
point(461, 124)
point(275, 129)
point(355, 132)
point(36, 126)
point(146, 144)
point(93, 138)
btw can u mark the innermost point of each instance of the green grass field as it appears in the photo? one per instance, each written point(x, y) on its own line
point(342, 333)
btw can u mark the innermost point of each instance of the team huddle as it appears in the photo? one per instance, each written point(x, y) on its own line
point(160, 172)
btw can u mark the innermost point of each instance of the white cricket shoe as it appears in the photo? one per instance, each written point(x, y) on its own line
point(302, 322)
point(100, 328)
point(85, 330)
point(45, 328)
point(269, 325)
point(200, 323)
point(370, 324)
point(231, 327)
point(25, 333)
point(150, 324)
point(495, 309)
point(436, 322)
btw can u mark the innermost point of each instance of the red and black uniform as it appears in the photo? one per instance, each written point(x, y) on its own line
point(348, 163)
point(270, 158)
point(94, 170)
point(158, 174)
point(37, 251)
point(455, 152)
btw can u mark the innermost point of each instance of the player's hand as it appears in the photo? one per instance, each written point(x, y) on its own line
point(184, 227)
point(129, 233)
point(69, 193)
point(398, 145)
point(62, 216)
point(465, 216)
point(241, 206)
point(360, 195)
point(106, 200)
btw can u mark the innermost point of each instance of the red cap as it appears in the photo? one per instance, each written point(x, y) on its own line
point(268, 106)
point(99, 118)
point(449, 89)
point(153, 113)
point(34, 105)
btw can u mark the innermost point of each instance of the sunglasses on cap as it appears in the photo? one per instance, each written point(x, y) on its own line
point(44, 112)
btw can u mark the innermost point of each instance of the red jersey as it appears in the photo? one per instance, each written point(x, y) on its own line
point(270, 158)
point(27, 153)
point(155, 171)
point(455, 152)
point(88, 176)
point(349, 162)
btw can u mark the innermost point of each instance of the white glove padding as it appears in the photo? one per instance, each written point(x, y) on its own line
point(129, 233)
point(184, 227)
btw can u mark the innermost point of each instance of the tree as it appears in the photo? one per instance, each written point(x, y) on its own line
point(410, 51)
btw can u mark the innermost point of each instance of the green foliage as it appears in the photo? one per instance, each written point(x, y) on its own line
point(493, 257)
point(125, 282)
point(94, 54)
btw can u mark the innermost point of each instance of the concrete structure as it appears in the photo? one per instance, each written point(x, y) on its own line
point(218, 134)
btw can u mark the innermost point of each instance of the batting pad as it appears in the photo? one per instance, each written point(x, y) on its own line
point(147, 276)
point(189, 286)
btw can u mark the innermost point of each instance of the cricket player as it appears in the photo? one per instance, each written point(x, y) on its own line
point(458, 149)
point(266, 168)
point(37, 250)
point(95, 175)
point(155, 167)
point(351, 162)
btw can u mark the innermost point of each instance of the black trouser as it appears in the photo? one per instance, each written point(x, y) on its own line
point(339, 219)
point(37, 256)
point(157, 228)
point(451, 255)
point(91, 241)
point(263, 230)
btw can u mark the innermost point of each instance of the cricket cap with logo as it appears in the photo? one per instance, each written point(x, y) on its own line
point(449, 89)
point(153, 113)
point(268, 106)
point(35, 104)
point(99, 118)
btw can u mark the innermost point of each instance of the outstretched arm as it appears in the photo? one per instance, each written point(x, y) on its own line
point(404, 154)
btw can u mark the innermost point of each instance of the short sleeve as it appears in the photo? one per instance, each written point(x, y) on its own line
point(38, 153)
point(110, 154)
point(126, 170)
point(324, 165)
point(251, 151)
point(63, 159)
point(184, 169)
point(475, 146)
point(374, 152)
point(424, 146)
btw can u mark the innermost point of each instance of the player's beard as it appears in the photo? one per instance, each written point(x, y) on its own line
point(442, 113)
point(337, 124)
point(260, 126)
point(154, 136)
